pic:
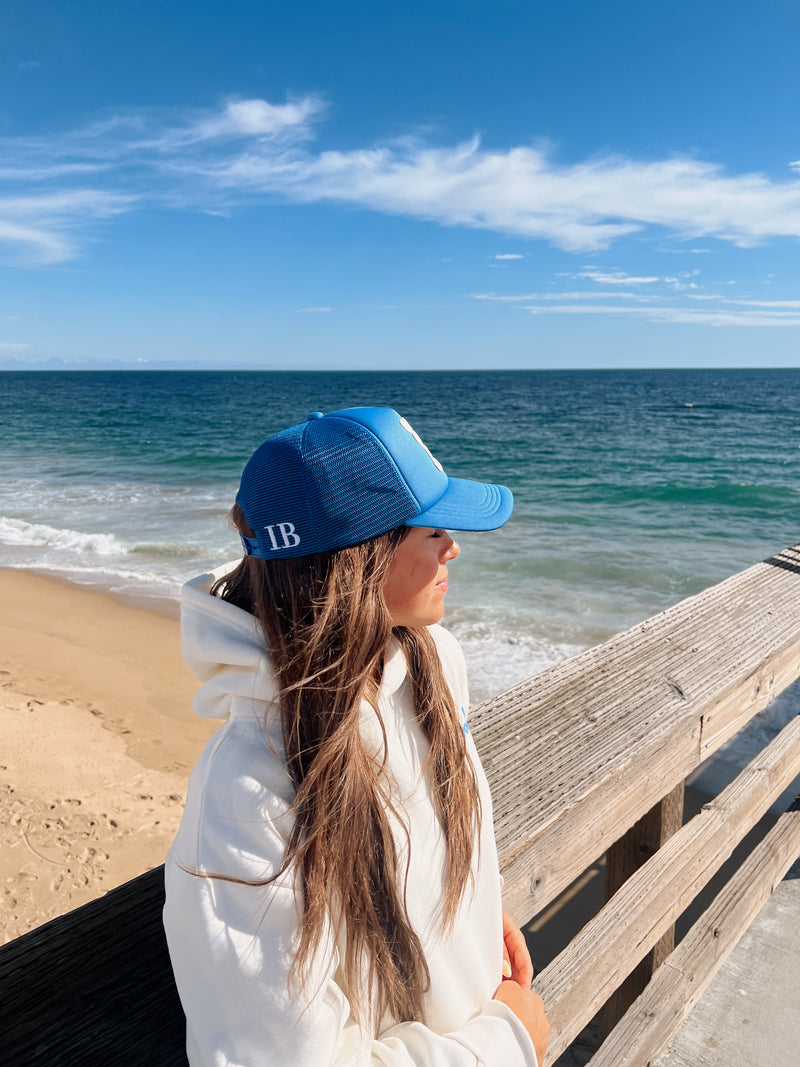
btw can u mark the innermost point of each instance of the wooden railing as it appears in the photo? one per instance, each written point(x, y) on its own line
point(585, 759)
point(590, 757)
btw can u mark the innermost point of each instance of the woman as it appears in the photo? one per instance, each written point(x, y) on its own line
point(333, 894)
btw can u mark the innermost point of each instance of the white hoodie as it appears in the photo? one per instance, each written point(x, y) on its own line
point(232, 944)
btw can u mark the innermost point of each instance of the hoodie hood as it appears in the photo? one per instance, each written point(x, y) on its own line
point(224, 649)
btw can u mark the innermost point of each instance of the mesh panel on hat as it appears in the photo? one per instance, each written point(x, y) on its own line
point(354, 490)
point(322, 485)
point(272, 491)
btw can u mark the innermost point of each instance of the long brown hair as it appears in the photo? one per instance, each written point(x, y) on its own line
point(327, 629)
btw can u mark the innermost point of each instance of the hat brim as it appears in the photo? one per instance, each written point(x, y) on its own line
point(467, 505)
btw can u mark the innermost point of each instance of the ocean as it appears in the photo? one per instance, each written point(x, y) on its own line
point(633, 489)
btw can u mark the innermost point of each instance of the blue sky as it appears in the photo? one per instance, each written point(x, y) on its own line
point(373, 185)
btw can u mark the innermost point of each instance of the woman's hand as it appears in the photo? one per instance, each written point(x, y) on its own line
point(515, 953)
point(529, 1009)
point(515, 989)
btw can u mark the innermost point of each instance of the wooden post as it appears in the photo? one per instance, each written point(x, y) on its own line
point(623, 858)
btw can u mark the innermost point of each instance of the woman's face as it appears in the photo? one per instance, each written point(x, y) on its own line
point(415, 586)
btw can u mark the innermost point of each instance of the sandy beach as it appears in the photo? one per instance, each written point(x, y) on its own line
point(98, 740)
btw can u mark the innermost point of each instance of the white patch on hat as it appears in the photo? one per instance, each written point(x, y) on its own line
point(407, 426)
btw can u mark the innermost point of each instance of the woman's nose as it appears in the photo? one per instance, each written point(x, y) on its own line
point(452, 550)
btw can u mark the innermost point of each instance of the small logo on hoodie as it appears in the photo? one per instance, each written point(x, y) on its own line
point(464, 723)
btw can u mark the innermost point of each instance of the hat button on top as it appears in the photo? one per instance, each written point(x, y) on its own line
point(315, 415)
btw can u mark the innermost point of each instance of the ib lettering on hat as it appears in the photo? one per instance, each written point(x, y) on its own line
point(337, 479)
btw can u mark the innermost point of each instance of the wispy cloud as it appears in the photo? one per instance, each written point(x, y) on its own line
point(47, 172)
point(617, 277)
point(658, 306)
point(39, 244)
point(39, 228)
point(768, 313)
point(313, 311)
point(766, 303)
point(686, 316)
point(509, 255)
point(620, 277)
point(676, 283)
point(584, 294)
point(246, 151)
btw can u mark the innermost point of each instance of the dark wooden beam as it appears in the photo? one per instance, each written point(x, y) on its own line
point(94, 986)
point(642, 841)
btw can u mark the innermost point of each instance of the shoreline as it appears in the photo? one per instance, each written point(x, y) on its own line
point(99, 739)
point(157, 604)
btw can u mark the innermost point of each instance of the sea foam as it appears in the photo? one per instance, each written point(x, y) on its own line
point(18, 532)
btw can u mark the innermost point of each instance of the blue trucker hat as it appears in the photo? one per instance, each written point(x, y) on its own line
point(338, 479)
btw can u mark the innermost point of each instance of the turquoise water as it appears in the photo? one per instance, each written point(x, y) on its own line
point(633, 489)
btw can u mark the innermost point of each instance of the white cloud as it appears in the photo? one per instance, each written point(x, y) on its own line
point(248, 118)
point(582, 295)
point(508, 299)
point(521, 191)
point(38, 226)
point(509, 255)
point(257, 116)
point(307, 311)
point(90, 203)
point(767, 303)
point(36, 243)
point(618, 277)
point(652, 308)
point(248, 150)
point(47, 173)
point(682, 315)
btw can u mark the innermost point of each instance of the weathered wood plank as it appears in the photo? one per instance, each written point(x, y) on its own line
point(583, 977)
point(625, 857)
point(654, 1019)
point(575, 754)
point(543, 862)
point(734, 711)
